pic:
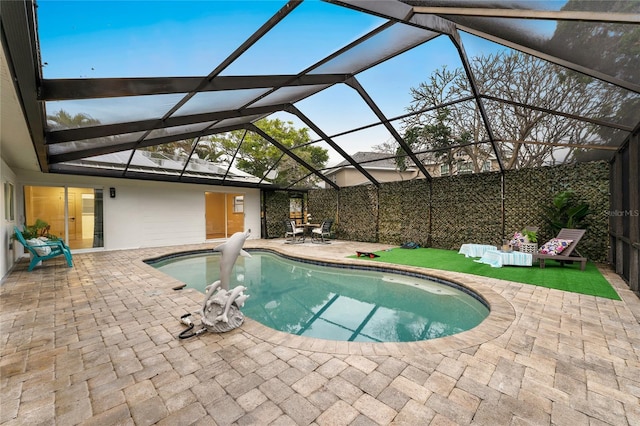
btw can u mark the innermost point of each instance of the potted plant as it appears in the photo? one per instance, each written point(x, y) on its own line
point(532, 236)
point(39, 229)
point(532, 245)
point(566, 212)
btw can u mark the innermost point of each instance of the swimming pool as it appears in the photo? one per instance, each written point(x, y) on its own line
point(319, 300)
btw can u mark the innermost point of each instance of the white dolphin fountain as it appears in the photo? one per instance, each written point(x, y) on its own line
point(220, 310)
point(230, 251)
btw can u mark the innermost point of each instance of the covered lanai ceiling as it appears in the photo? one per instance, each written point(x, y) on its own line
point(532, 83)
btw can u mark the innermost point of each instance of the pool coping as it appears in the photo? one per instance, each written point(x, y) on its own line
point(501, 312)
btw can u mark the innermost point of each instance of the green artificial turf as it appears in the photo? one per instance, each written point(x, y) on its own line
point(567, 278)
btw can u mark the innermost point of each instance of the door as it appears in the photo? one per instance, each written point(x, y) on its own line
point(224, 214)
point(76, 218)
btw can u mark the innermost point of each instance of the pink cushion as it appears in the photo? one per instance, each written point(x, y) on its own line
point(554, 246)
point(518, 239)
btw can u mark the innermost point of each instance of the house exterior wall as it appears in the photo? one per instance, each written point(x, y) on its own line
point(349, 176)
point(143, 213)
point(7, 252)
point(435, 169)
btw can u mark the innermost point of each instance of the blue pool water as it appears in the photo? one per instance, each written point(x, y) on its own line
point(328, 302)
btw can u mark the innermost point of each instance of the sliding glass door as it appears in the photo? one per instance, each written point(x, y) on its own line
point(73, 214)
point(224, 214)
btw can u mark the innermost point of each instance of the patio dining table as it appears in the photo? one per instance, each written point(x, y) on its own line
point(308, 227)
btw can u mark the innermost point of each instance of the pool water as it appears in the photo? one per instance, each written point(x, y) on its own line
point(334, 303)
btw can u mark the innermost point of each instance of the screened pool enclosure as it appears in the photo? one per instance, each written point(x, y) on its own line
point(182, 91)
point(283, 95)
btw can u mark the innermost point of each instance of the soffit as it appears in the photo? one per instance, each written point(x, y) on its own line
point(14, 134)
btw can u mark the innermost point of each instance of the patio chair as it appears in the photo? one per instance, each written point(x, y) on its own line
point(296, 234)
point(318, 234)
point(43, 250)
point(569, 254)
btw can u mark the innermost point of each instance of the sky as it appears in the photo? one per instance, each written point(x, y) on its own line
point(98, 39)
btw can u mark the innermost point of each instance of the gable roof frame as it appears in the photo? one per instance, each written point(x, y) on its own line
point(84, 89)
point(437, 20)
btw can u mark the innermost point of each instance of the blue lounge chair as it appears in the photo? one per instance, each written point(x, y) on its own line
point(56, 248)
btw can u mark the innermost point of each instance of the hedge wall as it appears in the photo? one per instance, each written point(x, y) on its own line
point(467, 209)
point(528, 191)
point(323, 205)
point(454, 210)
point(403, 203)
point(357, 214)
point(276, 210)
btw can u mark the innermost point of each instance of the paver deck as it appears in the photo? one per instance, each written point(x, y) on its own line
point(97, 344)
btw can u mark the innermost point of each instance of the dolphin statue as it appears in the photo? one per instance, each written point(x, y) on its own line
point(209, 292)
point(230, 298)
point(230, 250)
point(240, 300)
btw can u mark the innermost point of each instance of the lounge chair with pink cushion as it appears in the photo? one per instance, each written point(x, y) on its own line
point(562, 248)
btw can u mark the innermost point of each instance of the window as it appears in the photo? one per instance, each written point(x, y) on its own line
point(444, 169)
point(9, 208)
point(296, 208)
point(238, 204)
point(464, 168)
point(486, 166)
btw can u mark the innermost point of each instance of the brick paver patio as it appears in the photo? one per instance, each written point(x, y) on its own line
point(97, 344)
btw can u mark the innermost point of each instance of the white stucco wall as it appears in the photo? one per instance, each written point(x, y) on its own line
point(146, 214)
point(143, 213)
point(7, 252)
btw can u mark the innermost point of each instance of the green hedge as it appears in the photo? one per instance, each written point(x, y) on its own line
point(276, 206)
point(450, 211)
point(404, 212)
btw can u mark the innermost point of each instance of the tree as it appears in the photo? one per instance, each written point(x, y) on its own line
point(439, 137)
point(618, 53)
point(173, 149)
point(566, 212)
point(617, 45)
point(444, 135)
point(64, 120)
point(257, 156)
point(525, 136)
